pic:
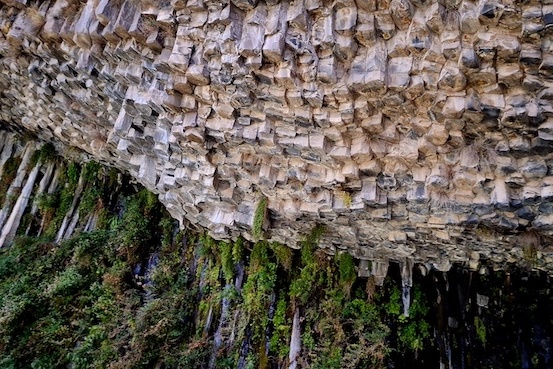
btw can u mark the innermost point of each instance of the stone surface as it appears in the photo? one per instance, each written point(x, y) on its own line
point(405, 128)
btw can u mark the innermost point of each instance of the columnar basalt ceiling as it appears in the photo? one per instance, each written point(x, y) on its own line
point(410, 129)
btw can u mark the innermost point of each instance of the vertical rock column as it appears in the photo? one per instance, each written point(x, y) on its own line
point(295, 340)
point(17, 183)
point(10, 228)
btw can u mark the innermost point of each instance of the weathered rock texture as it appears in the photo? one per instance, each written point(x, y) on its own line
point(411, 129)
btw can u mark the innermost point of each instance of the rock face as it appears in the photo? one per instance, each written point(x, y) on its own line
point(417, 130)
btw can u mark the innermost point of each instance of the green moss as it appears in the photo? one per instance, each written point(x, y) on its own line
point(107, 220)
point(301, 286)
point(332, 358)
point(47, 202)
point(238, 250)
point(137, 228)
point(281, 330)
point(92, 297)
point(179, 237)
point(258, 288)
point(227, 264)
point(259, 219)
point(72, 174)
point(113, 176)
point(91, 171)
point(348, 274)
point(26, 221)
point(62, 199)
point(480, 330)
point(207, 245)
point(284, 255)
point(393, 307)
point(46, 154)
point(309, 244)
point(9, 173)
point(167, 225)
point(81, 304)
point(89, 200)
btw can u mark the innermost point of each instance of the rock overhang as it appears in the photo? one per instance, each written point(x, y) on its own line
point(410, 130)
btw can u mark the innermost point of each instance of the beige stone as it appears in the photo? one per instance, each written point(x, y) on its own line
point(389, 113)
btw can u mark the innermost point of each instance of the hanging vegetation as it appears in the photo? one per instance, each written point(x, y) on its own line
point(125, 288)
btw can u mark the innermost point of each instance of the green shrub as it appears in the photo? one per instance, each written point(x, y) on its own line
point(65, 283)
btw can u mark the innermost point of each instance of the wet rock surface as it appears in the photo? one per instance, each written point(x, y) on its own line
point(411, 130)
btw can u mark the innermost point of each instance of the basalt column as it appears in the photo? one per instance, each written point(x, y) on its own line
point(413, 130)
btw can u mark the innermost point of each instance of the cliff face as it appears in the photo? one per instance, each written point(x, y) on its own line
point(96, 265)
point(411, 130)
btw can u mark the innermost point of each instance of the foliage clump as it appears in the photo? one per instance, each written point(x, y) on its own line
point(136, 292)
point(9, 173)
point(343, 327)
point(414, 331)
point(348, 274)
point(259, 218)
point(45, 154)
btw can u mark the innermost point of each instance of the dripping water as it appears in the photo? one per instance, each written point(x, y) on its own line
point(218, 336)
point(245, 349)
point(152, 263)
point(269, 331)
point(406, 297)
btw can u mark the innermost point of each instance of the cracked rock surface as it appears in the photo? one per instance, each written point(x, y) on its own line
point(410, 129)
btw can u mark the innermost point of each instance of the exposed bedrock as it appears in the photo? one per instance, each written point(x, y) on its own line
point(412, 130)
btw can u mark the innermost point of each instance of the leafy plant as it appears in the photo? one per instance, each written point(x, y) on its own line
point(300, 288)
point(238, 250)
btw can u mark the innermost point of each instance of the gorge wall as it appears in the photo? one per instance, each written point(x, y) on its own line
point(413, 131)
